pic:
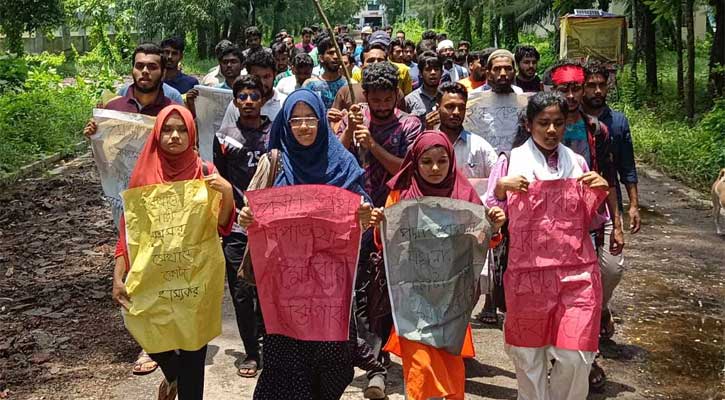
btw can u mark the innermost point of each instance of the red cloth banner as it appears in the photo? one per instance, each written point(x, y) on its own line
point(305, 243)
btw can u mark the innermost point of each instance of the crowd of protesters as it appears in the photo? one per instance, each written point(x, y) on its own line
point(404, 104)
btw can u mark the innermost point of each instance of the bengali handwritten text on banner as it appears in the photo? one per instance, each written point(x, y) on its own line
point(495, 117)
point(176, 281)
point(305, 244)
point(434, 251)
point(553, 286)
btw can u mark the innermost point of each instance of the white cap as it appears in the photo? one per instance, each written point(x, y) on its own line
point(445, 44)
point(366, 29)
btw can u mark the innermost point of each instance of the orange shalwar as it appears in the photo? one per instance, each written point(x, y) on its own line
point(429, 371)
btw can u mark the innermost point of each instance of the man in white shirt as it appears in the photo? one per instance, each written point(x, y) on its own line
point(475, 157)
point(301, 71)
point(262, 65)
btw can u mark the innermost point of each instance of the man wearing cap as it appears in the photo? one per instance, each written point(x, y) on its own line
point(589, 138)
point(451, 71)
point(381, 40)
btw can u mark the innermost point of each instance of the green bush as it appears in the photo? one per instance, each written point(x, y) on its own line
point(13, 73)
point(41, 121)
point(691, 154)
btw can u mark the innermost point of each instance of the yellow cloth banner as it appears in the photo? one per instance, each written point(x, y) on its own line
point(176, 281)
point(602, 39)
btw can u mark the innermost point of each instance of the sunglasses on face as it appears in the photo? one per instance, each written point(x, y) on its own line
point(245, 96)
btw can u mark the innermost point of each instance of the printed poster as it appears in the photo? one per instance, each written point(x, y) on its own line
point(210, 107)
point(552, 283)
point(116, 145)
point(434, 249)
point(176, 281)
point(305, 244)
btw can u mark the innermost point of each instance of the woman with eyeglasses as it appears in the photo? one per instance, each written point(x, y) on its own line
point(237, 149)
point(309, 154)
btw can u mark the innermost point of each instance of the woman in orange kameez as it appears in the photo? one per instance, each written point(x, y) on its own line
point(429, 169)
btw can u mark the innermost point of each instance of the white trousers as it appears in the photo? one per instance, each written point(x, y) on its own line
point(569, 378)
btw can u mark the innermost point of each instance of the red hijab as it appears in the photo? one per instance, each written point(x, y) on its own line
point(412, 185)
point(154, 165)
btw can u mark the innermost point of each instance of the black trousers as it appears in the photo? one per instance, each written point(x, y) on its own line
point(304, 370)
point(185, 367)
point(244, 296)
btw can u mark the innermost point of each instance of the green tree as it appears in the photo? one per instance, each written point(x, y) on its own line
point(18, 16)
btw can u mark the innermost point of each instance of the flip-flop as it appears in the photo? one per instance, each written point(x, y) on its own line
point(249, 364)
point(597, 378)
point(142, 360)
point(167, 391)
point(488, 317)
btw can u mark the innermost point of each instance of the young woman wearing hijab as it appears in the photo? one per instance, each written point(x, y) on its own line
point(310, 154)
point(561, 293)
point(429, 169)
point(169, 156)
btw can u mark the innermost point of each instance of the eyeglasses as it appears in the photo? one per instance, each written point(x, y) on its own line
point(245, 96)
point(572, 87)
point(297, 122)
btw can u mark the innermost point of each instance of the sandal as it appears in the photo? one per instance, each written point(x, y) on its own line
point(248, 368)
point(607, 326)
point(167, 391)
point(597, 377)
point(144, 365)
point(488, 317)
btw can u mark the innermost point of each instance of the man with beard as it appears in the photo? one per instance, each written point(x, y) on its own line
point(500, 75)
point(527, 58)
point(281, 58)
point(611, 266)
point(589, 137)
point(301, 72)
point(144, 96)
point(451, 71)
point(383, 133)
point(214, 77)
point(331, 80)
point(478, 72)
point(174, 52)
point(260, 64)
point(237, 150)
point(421, 102)
point(396, 50)
point(474, 155)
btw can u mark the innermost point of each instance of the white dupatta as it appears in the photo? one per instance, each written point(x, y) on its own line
point(527, 160)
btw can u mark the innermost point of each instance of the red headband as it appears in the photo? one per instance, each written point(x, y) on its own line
point(567, 74)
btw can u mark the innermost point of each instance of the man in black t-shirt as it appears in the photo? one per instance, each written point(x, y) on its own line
point(527, 59)
point(237, 149)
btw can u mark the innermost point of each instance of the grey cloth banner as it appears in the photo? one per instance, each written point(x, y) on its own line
point(435, 249)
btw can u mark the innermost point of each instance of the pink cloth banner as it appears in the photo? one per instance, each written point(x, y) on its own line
point(552, 282)
point(305, 242)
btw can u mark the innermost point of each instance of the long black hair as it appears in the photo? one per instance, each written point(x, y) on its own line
point(538, 103)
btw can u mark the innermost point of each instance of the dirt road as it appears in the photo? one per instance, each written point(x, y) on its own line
point(61, 337)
